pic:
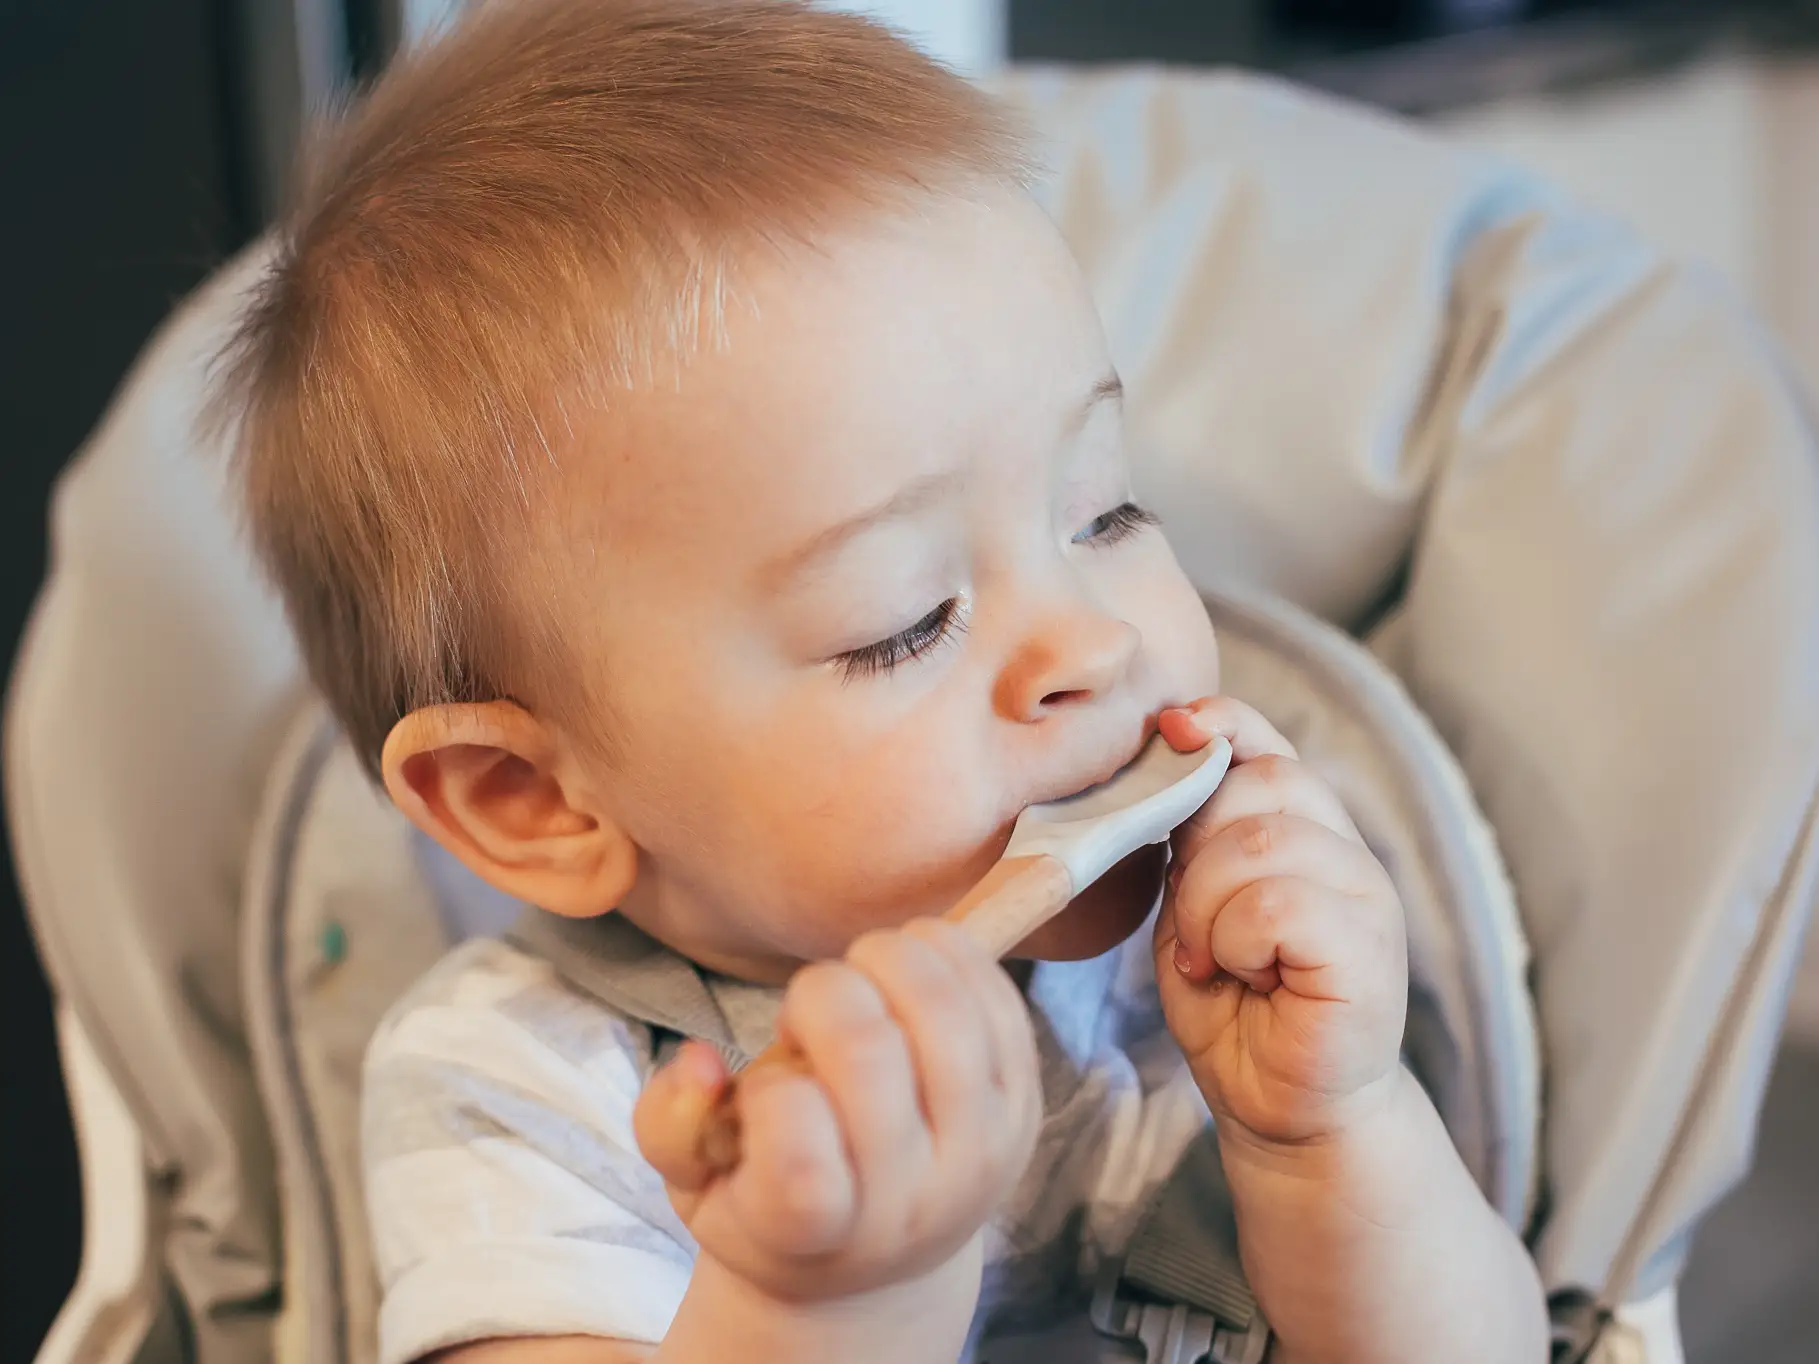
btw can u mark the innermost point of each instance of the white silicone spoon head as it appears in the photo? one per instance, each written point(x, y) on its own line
point(1143, 803)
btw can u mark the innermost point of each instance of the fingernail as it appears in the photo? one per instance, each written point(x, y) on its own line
point(702, 1065)
point(1198, 730)
point(1183, 961)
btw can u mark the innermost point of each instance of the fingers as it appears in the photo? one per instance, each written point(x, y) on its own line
point(1192, 727)
point(851, 1040)
point(1266, 775)
point(794, 1192)
point(1294, 933)
point(812, 1130)
point(1260, 848)
point(794, 1183)
point(968, 1034)
point(1269, 785)
point(912, 1106)
point(932, 1002)
point(1266, 778)
point(1014, 1097)
point(668, 1118)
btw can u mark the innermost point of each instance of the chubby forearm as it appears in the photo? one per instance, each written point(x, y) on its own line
point(1376, 1245)
point(923, 1321)
point(722, 1317)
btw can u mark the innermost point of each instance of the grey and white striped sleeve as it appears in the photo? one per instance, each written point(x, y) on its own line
point(505, 1191)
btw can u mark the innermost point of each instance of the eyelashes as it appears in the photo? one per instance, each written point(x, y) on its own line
point(1120, 523)
point(948, 620)
point(943, 623)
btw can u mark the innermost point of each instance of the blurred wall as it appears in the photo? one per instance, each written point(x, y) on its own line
point(969, 35)
point(1717, 162)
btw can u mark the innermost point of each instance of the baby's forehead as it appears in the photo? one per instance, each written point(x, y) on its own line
point(897, 344)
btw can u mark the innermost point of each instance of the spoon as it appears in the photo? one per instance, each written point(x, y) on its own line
point(1057, 849)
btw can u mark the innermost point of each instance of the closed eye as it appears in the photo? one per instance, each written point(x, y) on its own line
point(943, 623)
point(1120, 523)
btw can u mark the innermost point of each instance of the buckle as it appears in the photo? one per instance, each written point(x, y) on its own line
point(1171, 1333)
point(1578, 1324)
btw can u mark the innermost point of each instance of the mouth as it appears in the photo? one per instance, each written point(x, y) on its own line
point(1097, 782)
point(1105, 771)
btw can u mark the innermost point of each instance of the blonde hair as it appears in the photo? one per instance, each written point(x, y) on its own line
point(524, 215)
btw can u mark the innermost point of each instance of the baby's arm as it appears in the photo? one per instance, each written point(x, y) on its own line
point(1375, 1245)
point(1282, 961)
point(851, 1229)
point(722, 1318)
point(547, 1350)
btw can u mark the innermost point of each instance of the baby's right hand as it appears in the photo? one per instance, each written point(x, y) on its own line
point(913, 1115)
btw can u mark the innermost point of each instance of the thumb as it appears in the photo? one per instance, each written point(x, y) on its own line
point(670, 1113)
point(1184, 730)
point(1191, 727)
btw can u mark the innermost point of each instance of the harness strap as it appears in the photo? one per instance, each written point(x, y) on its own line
point(1186, 1248)
point(1180, 1289)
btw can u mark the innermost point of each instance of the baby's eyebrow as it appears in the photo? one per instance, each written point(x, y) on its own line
point(1109, 389)
point(910, 498)
point(914, 496)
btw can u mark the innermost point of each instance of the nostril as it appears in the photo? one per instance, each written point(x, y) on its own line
point(1065, 698)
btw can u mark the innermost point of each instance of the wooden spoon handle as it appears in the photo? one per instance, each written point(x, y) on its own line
point(1013, 900)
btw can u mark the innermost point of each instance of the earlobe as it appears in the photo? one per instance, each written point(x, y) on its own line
point(497, 787)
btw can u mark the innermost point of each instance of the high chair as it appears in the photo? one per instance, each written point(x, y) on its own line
point(1509, 522)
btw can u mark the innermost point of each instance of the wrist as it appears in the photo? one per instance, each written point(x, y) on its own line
point(726, 1316)
point(1381, 1111)
point(1367, 1126)
point(1370, 1241)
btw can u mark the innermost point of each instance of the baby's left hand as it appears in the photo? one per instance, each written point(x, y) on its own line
point(1280, 949)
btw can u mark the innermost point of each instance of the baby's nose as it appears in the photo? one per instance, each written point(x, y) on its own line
point(1068, 662)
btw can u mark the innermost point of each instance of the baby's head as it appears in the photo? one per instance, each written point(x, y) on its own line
point(692, 466)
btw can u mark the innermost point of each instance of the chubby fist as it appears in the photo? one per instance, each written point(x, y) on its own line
point(879, 1158)
point(1280, 950)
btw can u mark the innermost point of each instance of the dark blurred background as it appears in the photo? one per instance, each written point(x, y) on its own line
point(124, 185)
point(142, 141)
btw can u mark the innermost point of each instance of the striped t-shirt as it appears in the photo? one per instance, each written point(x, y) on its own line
point(507, 1195)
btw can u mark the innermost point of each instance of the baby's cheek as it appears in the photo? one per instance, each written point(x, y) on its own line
point(904, 833)
point(1178, 638)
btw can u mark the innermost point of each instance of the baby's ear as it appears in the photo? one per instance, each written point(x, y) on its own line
point(490, 783)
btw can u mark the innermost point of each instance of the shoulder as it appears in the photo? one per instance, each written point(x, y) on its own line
point(493, 1045)
point(488, 996)
point(505, 1190)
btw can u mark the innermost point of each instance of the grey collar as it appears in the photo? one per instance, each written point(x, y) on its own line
point(632, 973)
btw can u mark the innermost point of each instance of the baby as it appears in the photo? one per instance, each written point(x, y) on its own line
point(692, 466)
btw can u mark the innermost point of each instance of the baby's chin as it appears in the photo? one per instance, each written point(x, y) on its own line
point(1104, 915)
